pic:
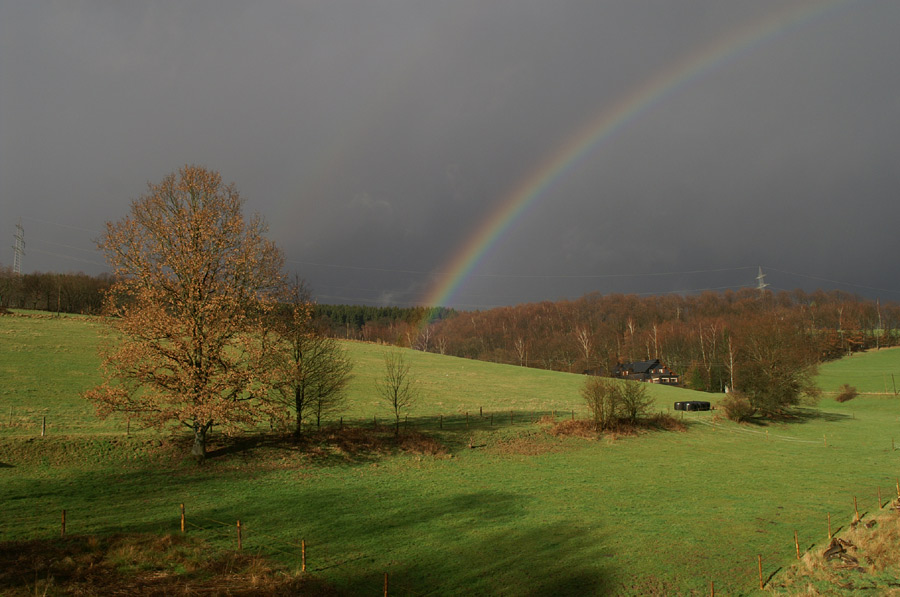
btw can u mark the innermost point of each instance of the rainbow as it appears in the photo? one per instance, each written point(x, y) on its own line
point(605, 124)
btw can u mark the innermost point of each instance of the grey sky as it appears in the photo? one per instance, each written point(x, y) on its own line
point(376, 135)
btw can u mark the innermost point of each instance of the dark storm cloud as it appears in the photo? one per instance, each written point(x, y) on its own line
point(376, 136)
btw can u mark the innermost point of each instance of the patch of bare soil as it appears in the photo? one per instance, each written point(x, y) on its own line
point(142, 565)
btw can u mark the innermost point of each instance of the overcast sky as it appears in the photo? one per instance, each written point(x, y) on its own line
point(375, 136)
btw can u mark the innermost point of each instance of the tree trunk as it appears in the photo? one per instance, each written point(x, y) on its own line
point(198, 451)
point(298, 403)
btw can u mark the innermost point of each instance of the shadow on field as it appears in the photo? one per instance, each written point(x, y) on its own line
point(364, 442)
point(478, 542)
point(799, 416)
point(454, 538)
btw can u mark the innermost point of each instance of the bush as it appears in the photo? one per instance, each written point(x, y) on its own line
point(737, 407)
point(602, 398)
point(846, 393)
point(633, 400)
point(611, 401)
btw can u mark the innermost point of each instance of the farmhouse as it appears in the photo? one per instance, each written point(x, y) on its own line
point(649, 371)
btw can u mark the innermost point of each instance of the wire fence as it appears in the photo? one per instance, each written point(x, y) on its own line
point(318, 558)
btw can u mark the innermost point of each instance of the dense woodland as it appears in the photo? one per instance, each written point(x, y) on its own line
point(704, 338)
point(66, 293)
point(708, 339)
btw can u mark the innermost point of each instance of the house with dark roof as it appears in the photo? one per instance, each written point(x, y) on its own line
point(647, 371)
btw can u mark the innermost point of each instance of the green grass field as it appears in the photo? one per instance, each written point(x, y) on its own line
point(522, 512)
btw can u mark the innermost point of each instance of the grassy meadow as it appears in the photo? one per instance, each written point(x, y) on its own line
point(503, 507)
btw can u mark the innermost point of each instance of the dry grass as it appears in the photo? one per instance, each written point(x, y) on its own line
point(869, 561)
point(142, 565)
point(586, 429)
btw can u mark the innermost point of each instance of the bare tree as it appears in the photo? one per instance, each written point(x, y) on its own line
point(194, 280)
point(397, 387)
point(312, 369)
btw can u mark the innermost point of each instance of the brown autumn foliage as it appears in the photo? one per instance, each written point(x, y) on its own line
point(765, 345)
point(194, 279)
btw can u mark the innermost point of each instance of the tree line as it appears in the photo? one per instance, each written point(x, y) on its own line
point(706, 338)
point(47, 291)
point(400, 326)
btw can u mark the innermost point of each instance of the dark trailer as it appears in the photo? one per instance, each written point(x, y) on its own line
point(692, 405)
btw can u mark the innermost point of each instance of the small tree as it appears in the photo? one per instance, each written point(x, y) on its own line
point(397, 387)
point(193, 282)
point(634, 401)
point(312, 369)
point(602, 397)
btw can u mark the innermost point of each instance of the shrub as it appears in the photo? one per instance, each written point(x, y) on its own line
point(846, 393)
point(611, 401)
point(633, 401)
point(602, 398)
point(737, 407)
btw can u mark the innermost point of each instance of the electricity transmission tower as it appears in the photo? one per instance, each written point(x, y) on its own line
point(18, 249)
point(761, 281)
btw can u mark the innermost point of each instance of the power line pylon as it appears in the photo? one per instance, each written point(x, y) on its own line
point(19, 249)
point(761, 281)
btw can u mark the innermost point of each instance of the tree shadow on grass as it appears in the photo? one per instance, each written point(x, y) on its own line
point(798, 415)
point(330, 446)
point(364, 442)
point(475, 542)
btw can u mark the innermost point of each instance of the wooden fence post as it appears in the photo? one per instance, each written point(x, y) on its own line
point(303, 555)
point(43, 425)
point(182, 517)
point(797, 544)
point(829, 526)
point(879, 498)
point(240, 546)
point(63, 528)
point(385, 585)
point(855, 508)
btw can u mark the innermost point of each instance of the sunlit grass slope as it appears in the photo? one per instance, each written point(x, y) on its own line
point(872, 372)
point(47, 362)
point(520, 512)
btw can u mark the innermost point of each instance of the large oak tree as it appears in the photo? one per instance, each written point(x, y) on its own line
point(194, 280)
